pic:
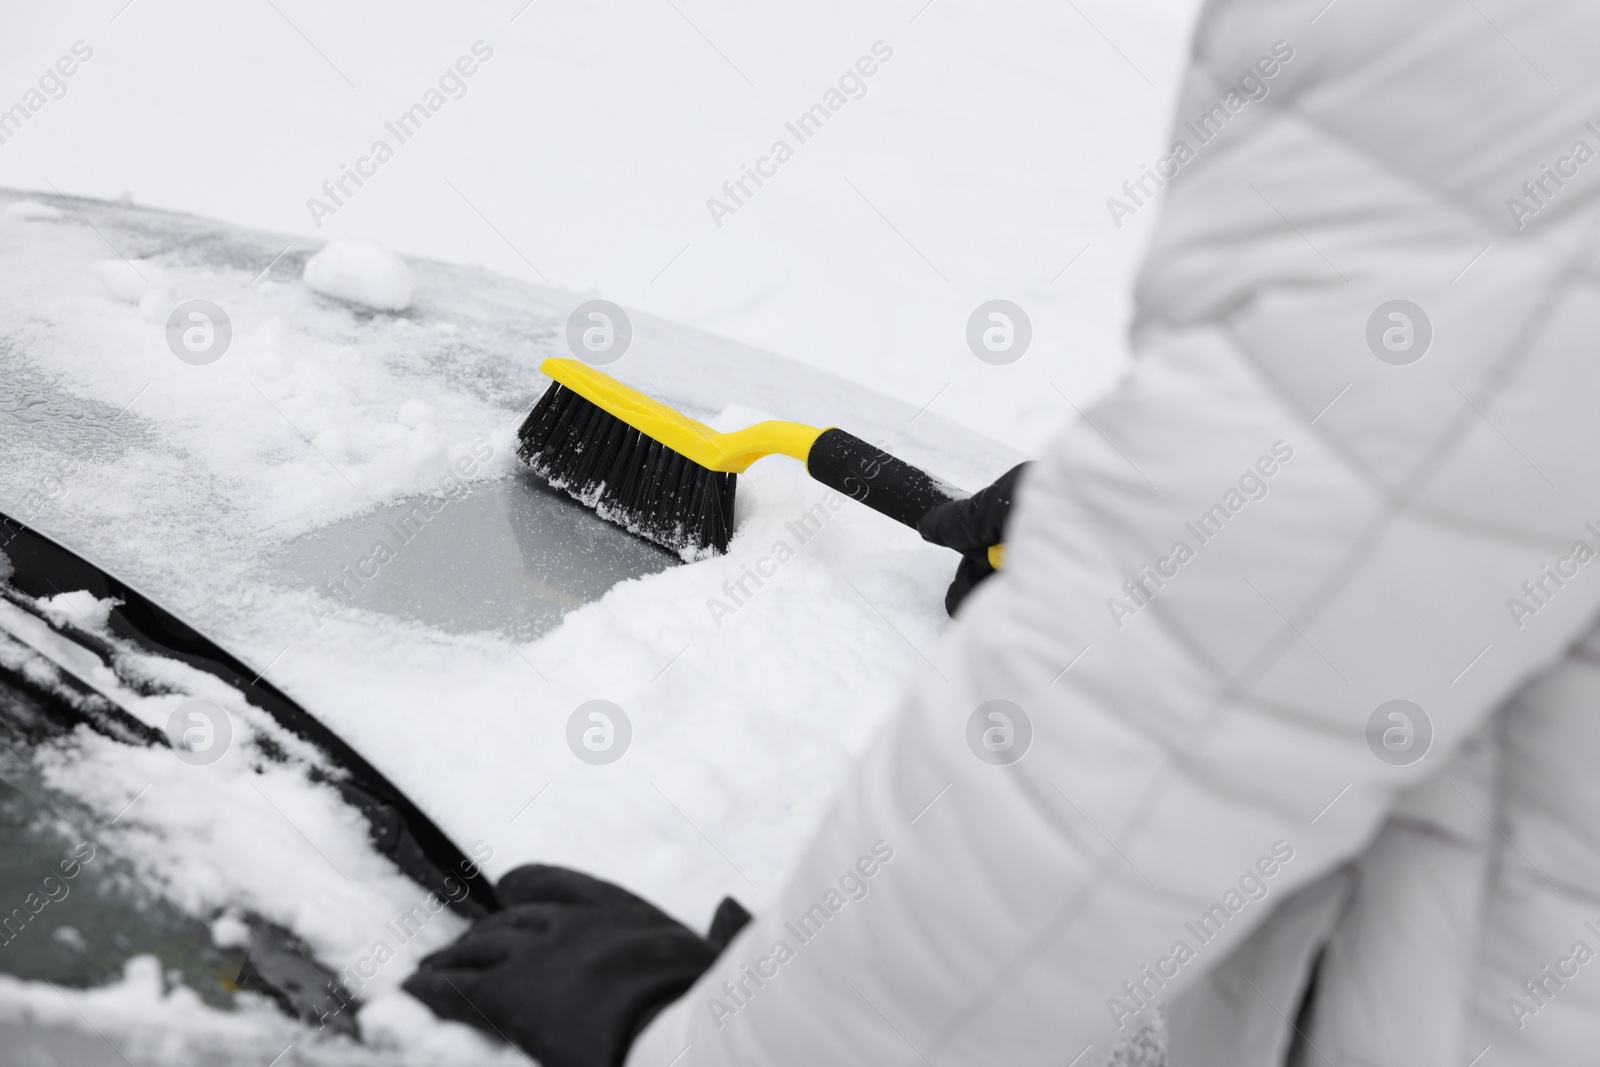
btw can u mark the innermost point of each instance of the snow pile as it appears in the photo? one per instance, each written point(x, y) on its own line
point(129, 280)
point(156, 304)
point(363, 272)
point(750, 681)
point(32, 209)
point(141, 283)
point(79, 608)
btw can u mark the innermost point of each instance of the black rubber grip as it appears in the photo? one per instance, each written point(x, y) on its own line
point(864, 472)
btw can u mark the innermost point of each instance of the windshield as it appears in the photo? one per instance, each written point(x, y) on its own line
point(187, 877)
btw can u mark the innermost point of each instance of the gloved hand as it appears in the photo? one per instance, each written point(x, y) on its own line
point(571, 969)
point(970, 526)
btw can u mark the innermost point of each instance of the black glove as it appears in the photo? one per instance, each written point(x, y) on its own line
point(970, 526)
point(571, 969)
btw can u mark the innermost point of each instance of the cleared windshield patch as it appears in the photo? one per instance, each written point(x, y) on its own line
point(509, 555)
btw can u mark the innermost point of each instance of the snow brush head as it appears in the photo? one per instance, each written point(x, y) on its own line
point(642, 465)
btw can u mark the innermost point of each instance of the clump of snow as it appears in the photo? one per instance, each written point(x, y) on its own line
point(363, 272)
point(267, 363)
point(70, 937)
point(32, 209)
point(80, 608)
point(395, 1021)
point(156, 304)
point(130, 279)
point(230, 931)
point(415, 412)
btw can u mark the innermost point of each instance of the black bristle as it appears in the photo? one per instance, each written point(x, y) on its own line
point(627, 477)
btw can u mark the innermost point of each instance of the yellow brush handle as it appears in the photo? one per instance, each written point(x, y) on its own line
point(727, 452)
point(733, 452)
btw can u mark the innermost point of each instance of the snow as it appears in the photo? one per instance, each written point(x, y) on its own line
point(155, 305)
point(230, 931)
point(152, 1025)
point(414, 413)
point(239, 833)
point(71, 937)
point(79, 608)
point(32, 209)
point(746, 703)
point(221, 464)
point(363, 272)
point(130, 280)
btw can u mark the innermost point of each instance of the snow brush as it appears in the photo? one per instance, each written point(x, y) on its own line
point(671, 479)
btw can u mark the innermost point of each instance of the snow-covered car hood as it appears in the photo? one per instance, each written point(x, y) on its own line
point(250, 496)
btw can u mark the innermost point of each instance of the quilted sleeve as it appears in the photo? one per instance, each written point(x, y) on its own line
point(1347, 501)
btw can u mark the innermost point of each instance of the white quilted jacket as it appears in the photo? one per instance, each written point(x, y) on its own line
point(1307, 502)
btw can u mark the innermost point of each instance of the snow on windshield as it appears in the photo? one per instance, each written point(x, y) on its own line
point(220, 835)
